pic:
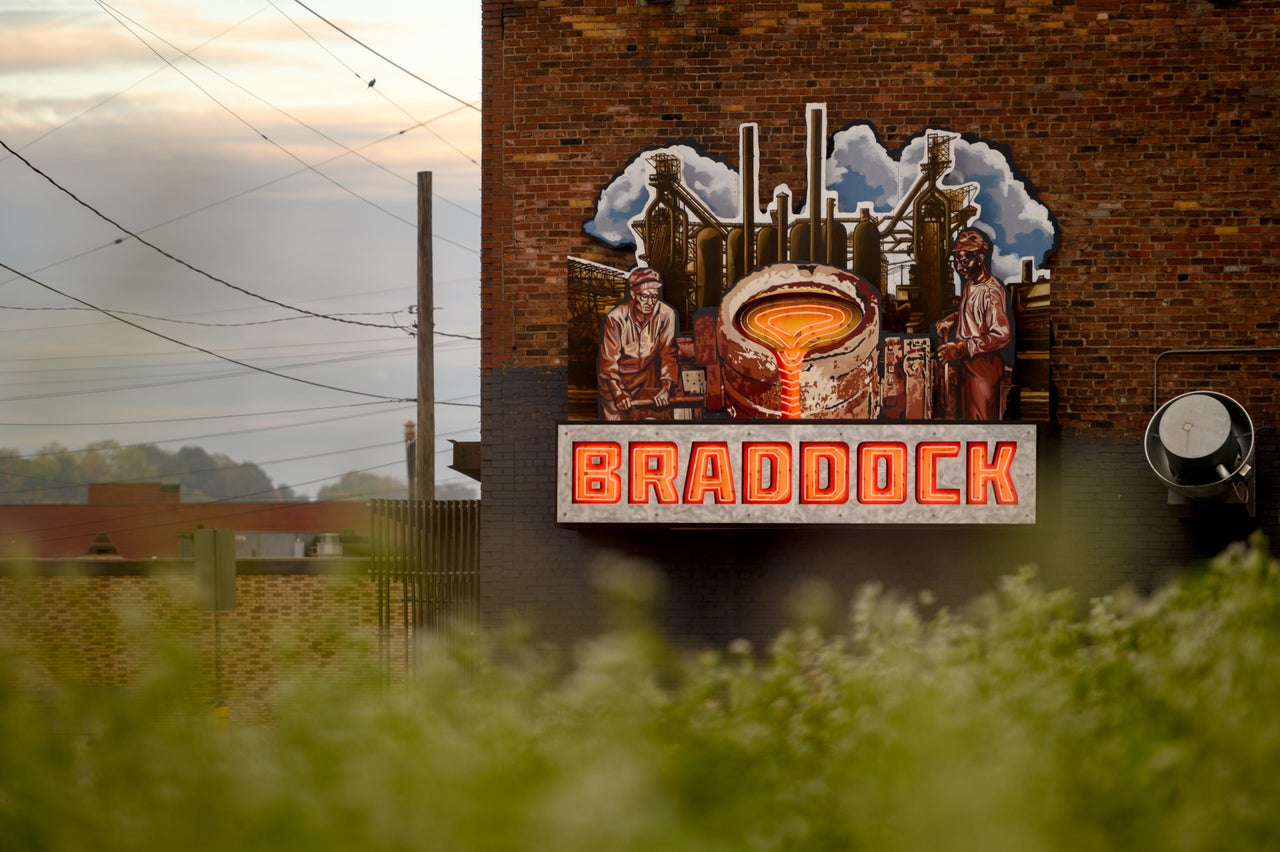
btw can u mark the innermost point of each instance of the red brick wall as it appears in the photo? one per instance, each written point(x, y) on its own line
point(153, 529)
point(1149, 129)
point(83, 620)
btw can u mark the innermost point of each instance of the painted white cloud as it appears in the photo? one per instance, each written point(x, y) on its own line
point(626, 196)
point(860, 170)
point(1022, 225)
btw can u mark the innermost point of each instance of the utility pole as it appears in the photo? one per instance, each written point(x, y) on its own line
point(426, 439)
point(411, 457)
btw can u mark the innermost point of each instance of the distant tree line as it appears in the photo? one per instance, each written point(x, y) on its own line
point(363, 485)
point(56, 474)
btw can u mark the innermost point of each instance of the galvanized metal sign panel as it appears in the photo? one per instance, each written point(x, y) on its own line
point(796, 473)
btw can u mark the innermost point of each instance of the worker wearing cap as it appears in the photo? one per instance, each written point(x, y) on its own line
point(974, 337)
point(636, 369)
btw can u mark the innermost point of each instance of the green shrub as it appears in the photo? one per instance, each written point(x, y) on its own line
point(1027, 721)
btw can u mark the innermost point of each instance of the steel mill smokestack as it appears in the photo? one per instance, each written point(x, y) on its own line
point(817, 168)
point(747, 157)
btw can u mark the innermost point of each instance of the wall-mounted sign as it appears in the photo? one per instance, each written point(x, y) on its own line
point(901, 288)
point(797, 473)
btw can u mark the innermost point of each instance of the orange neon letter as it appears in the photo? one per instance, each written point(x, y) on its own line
point(870, 456)
point(654, 463)
point(595, 472)
point(709, 473)
point(995, 472)
point(927, 491)
point(755, 457)
point(814, 457)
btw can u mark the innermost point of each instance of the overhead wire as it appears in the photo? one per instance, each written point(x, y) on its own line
point(411, 330)
point(386, 59)
point(152, 421)
point(169, 364)
point(63, 308)
point(328, 347)
point(183, 379)
point(170, 256)
point(113, 314)
point(254, 430)
point(118, 15)
point(193, 346)
point(132, 85)
point(246, 122)
point(368, 84)
point(237, 195)
point(239, 324)
point(98, 360)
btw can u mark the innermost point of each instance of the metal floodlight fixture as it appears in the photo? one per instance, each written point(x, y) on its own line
point(1201, 445)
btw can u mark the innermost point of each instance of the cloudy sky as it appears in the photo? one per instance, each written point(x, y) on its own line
point(215, 175)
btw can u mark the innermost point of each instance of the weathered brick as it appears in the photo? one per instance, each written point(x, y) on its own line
point(1148, 130)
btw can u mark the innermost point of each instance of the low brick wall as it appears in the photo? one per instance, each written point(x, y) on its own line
point(82, 617)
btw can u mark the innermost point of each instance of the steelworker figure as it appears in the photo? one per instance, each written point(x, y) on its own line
point(977, 333)
point(637, 370)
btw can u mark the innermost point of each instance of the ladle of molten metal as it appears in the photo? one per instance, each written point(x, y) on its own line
point(793, 326)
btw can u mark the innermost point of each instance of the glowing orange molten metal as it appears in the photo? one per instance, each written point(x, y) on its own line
point(794, 325)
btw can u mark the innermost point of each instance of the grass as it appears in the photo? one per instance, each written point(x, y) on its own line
point(1028, 721)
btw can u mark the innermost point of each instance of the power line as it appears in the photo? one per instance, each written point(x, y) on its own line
point(117, 16)
point(164, 253)
point(237, 195)
point(329, 347)
point(186, 378)
point(209, 352)
point(202, 324)
point(390, 62)
point(369, 84)
point(240, 324)
point(254, 430)
point(198, 417)
point(137, 82)
point(334, 355)
point(62, 308)
point(228, 434)
point(170, 361)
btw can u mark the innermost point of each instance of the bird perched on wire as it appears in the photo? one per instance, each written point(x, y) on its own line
point(371, 82)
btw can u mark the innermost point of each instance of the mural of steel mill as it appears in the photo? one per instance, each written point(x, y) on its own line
point(903, 255)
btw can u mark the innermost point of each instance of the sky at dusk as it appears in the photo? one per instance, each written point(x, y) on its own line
point(189, 184)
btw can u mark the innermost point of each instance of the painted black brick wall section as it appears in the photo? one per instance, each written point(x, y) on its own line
point(1103, 522)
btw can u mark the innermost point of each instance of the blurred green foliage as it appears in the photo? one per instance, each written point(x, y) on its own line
point(1028, 721)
